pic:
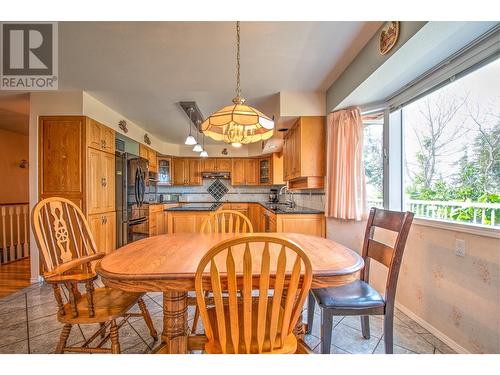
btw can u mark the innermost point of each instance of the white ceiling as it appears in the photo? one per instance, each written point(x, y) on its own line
point(143, 69)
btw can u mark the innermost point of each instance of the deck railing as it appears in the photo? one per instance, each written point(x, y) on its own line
point(14, 232)
point(464, 212)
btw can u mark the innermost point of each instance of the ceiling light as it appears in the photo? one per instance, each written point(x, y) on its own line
point(236, 144)
point(238, 123)
point(190, 139)
point(197, 148)
point(204, 153)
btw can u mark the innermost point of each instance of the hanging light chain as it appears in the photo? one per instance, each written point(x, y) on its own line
point(238, 89)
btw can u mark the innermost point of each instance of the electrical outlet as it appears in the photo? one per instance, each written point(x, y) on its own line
point(460, 248)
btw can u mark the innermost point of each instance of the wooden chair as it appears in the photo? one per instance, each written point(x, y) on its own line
point(223, 221)
point(253, 324)
point(226, 221)
point(68, 250)
point(359, 298)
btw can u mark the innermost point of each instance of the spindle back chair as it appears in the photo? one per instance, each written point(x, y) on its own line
point(68, 251)
point(235, 270)
point(226, 221)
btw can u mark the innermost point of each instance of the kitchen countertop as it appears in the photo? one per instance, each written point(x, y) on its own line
point(276, 208)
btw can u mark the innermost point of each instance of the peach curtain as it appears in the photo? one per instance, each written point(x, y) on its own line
point(345, 177)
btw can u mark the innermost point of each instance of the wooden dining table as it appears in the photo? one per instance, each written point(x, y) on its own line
point(167, 264)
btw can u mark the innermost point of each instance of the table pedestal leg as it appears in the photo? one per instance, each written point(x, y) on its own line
point(175, 327)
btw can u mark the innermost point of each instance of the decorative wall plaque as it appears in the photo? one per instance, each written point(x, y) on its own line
point(123, 126)
point(388, 36)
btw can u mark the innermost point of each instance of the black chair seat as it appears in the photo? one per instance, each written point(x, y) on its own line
point(356, 295)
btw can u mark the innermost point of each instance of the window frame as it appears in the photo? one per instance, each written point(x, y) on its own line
point(394, 154)
point(478, 53)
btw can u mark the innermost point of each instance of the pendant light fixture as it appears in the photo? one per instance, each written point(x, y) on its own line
point(204, 153)
point(238, 123)
point(197, 147)
point(190, 141)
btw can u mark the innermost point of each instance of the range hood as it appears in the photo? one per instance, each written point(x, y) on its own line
point(216, 175)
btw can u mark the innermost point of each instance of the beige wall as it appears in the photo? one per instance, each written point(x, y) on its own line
point(13, 148)
point(458, 298)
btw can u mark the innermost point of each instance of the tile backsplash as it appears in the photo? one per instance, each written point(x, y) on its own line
point(307, 198)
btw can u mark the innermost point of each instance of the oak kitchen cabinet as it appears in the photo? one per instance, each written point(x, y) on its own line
point(314, 224)
point(103, 228)
point(254, 214)
point(277, 168)
point(149, 154)
point(186, 171)
point(164, 170)
point(100, 136)
point(245, 171)
point(304, 162)
point(101, 182)
point(185, 222)
point(77, 162)
point(158, 218)
point(216, 165)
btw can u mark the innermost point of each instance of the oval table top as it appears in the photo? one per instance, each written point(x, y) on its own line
point(169, 262)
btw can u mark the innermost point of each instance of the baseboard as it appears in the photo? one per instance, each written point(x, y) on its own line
point(440, 335)
point(36, 279)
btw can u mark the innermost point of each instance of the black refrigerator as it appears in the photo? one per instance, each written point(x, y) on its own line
point(135, 189)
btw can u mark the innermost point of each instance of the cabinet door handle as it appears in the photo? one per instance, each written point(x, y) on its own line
point(104, 182)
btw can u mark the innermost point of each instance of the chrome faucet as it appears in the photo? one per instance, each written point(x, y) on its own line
point(289, 196)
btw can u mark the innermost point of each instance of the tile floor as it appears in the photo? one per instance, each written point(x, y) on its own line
point(28, 325)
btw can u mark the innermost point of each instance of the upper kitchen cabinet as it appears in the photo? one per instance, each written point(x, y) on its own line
point(100, 136)
point(265, 171)
point(223, 165)
point(277, 168)
point(164, 170)
point(186, 171)
point(149, 154)
point(304, 156)
point(245, 172)
point(216, 165)
point(271, 169)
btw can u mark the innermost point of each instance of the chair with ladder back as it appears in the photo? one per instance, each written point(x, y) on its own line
point(358, 297)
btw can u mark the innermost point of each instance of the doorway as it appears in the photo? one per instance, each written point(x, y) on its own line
point(14, 193)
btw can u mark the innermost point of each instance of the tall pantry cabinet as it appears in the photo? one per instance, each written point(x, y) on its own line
point(77, 162)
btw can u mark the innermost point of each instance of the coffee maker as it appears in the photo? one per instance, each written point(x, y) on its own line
point(273, 196)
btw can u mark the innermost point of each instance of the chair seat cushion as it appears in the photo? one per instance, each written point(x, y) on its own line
point(356, 295)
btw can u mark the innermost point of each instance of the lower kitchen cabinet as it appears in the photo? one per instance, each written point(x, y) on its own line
point(158, 219)
point(254, 216)
point(103, 228)
point(313, 224)
point(185, 222)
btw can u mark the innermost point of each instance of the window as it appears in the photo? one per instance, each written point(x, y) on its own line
point(451, 142)
point(372, 157)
